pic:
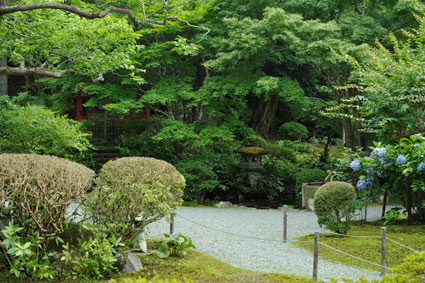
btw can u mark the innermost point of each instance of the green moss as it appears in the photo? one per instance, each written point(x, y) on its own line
point(254, 150)
point(203, 268)
point(370, 249)
point(194, 266)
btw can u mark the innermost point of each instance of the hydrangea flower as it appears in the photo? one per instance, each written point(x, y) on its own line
point(370, 171)
point(421, 166)
point(355, 165)
point(401, 160)
point(369, 180)
point(361, 184)
point(417, 135)
point(416, 145)
point(381, 174)
point(386, 162)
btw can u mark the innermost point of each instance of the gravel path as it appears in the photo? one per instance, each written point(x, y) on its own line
point(253, 254)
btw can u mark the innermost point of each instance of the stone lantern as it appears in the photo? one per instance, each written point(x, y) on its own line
point(251, 158)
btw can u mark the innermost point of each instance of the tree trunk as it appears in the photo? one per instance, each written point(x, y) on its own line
point(407, 198)
point(264, 114)
point(347, 133)
point(3, 78)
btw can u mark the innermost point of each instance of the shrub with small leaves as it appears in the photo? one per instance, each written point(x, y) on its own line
point(333, 203)
point(93, 258)
point(293, 131)
point(36, 191)
point(132, 192)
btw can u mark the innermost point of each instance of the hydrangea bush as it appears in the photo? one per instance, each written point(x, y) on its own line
point(395, 168)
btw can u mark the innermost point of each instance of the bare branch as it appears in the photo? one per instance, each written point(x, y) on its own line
point(195, 26)
point(22, 71)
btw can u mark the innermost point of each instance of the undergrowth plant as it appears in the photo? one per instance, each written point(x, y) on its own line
point(175, 245)
point(93, 258)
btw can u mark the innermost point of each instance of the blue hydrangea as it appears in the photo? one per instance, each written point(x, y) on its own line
point(381, 174)
point(417, 135)
point(401, 160)
point(381, 152)
point(369, 180)
point(421, 166)
point(361, 184)
point(416, 145)
point(370, 171)
point(386, 162)
point(355, 165)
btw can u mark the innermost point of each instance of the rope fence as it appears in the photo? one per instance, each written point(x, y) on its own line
point(353, 256)
point(316, 241)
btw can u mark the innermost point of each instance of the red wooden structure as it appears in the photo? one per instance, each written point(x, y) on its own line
point(82, 112)
point(134, 116)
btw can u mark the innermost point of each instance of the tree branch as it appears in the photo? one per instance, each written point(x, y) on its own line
point(72, 9)
point(22, 71)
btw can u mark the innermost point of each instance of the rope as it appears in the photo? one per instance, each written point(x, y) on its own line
point(350, 255)
point(294, 241)
point(351, 236)
point(397, 243)
point(241, 236)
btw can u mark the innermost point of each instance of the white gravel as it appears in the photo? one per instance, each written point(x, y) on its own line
point(253, 254)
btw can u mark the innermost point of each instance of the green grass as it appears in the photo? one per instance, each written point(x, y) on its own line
point(370, 249)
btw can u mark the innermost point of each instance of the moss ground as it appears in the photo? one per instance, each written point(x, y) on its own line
point(194, 266)
point(203, 268)
point(370, 249)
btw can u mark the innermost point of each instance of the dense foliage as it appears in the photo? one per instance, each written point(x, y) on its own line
point(35, 129)
point(216, 75)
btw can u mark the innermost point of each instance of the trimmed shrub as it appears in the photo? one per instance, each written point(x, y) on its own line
point(36, 190)
point(334, 202)
point(293, 131)
point(132, 192)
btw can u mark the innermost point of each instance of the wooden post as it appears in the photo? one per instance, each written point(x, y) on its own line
point(316, 255)
point(383, 249)
point(285, 223)
point(172, 222)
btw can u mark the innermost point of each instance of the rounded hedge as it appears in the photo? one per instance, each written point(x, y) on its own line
point(38, 189)
point(132, 192)
point(334, 202)
point(293, 131)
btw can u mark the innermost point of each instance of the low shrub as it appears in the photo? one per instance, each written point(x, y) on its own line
point(36, 190)
point(280, 151)
point(277, 180)
point(199, 173)
point(293, 131)
point(132, 192)
point(35, 193)
point(93, 258)
point(334, 202)
point(35, 129)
